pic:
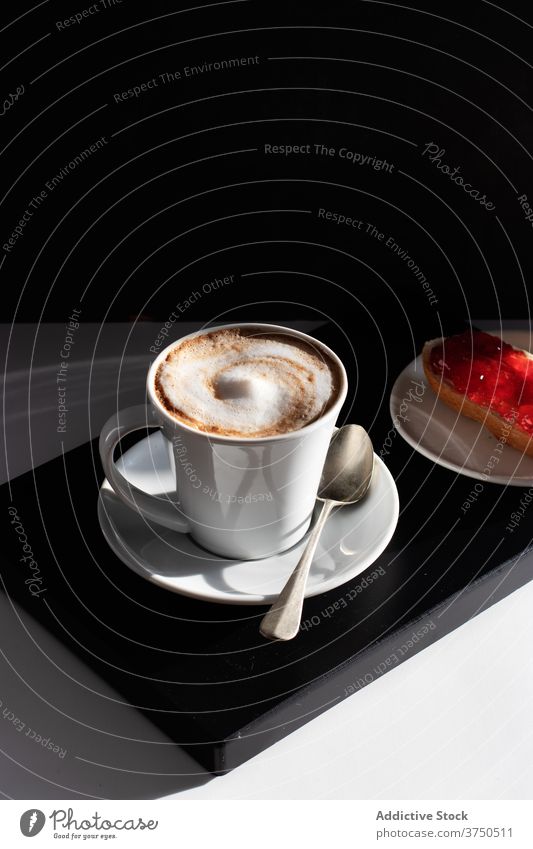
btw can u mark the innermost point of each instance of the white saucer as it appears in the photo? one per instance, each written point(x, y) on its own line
point(452, 440)
point(353, 539)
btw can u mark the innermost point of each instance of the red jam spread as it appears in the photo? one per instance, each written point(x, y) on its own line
point(489, 372)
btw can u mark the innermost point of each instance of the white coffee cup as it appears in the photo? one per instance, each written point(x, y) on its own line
point(240, 497)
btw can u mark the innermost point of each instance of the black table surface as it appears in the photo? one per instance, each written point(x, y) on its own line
point(201, 671)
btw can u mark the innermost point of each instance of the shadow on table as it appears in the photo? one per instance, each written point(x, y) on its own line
point(65, 734)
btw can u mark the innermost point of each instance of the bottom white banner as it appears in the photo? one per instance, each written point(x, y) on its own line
point(267, 824)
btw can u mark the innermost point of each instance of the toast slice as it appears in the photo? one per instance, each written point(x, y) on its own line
point(505, 429)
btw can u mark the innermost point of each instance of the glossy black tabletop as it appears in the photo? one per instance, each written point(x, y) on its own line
point(201, 671)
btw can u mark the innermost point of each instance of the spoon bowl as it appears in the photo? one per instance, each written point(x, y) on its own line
point(349, 466)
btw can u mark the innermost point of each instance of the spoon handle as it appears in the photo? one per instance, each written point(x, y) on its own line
point(282, 622)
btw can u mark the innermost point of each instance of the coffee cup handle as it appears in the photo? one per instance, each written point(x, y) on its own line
point(160, 510)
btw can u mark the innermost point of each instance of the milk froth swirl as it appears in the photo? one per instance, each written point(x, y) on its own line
point(239, 382)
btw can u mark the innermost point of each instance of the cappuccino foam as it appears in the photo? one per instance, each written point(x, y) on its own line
point(246, 382)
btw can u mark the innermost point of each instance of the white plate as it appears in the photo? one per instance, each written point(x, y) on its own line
point(452, 440)
point(353, 539)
